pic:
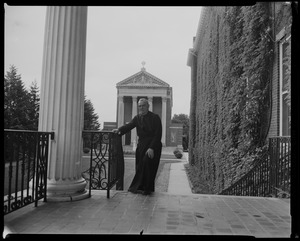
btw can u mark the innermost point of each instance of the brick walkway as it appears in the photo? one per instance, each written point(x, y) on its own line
point(160, 213)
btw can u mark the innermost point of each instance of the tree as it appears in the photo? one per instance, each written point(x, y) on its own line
point(16, 101)
point(90, 117)
point(90, 121)
point(34, 105)
point(21, 107)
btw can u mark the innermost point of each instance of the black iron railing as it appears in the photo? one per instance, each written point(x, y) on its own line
point(270, 175)
point(106, 161)
point(280, 164)
point(25, 168)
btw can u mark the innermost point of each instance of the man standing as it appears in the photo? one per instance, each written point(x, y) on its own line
point(148, 151)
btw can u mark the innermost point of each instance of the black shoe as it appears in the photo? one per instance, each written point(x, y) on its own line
point(132, 191)
point(146, 192)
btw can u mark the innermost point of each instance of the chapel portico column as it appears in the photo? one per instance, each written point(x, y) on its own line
point(120, 110)
point(62, 100)
point(121, 114)
point(134, 113)
point(150, 101)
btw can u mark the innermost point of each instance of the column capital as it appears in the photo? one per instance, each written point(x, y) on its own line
point(164, 99)
point(120, 97)
point(150, 98)
point(134, 98)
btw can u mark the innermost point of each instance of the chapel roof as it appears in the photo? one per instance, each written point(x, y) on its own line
point(143, 79)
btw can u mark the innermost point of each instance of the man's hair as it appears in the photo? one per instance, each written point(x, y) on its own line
point(144, 100)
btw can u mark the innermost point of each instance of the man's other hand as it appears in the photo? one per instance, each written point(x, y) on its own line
point(150, 153)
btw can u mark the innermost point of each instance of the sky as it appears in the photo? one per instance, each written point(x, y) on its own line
point(119, 39)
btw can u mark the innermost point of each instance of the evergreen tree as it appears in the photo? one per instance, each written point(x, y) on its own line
point(16, 100)
point(90, 117)
point(90, 121)
point(33, 108)
point(21, 107)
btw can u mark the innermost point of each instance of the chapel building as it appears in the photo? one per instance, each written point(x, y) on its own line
point(159, 95)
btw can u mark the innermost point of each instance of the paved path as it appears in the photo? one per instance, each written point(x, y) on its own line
point(159, 213)
point(176, 211)
point(178, 181)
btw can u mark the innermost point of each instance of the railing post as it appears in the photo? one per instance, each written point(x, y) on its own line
point(36, 171)
point(109, 165)
point(271, 169)
point(120, 162)
point(91, 158)
point(276, 165)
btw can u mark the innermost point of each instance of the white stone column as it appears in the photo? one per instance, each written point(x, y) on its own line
point(121, 111)
point(62, 100)
point(164, 120)
point(134, 113)
point(121, 114)
point(150, 100)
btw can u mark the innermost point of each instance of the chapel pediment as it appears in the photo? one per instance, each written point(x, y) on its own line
point(142, 79)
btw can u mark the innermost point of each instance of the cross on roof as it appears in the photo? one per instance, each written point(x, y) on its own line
point(143, 68)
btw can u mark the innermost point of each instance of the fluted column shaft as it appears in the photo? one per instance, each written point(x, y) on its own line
point(150, 101)
point(121, 114)
point(62, 96)
point(134, 113)
point(120, 110)
point(164, 120)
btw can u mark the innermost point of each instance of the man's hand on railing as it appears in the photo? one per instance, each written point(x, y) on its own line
point(116, 131)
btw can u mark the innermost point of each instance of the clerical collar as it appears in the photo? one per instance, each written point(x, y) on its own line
point(143, 114)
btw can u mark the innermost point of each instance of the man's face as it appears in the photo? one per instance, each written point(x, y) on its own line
point(143, 107)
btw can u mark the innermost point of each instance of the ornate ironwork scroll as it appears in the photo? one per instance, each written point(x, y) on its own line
point(106, 161)
point(26, 160)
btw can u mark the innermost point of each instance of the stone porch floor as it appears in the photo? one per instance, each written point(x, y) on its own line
point(171, 210)
point(159, 213)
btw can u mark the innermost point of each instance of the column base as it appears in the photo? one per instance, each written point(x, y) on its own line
point(66, 191)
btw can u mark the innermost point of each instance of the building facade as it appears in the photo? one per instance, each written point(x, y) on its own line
point(280, 116)
point(159, 95)
point(240, 87)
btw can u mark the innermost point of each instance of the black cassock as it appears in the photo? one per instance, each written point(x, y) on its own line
point(149, 131)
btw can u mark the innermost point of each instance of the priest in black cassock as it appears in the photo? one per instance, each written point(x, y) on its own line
point(147, 155)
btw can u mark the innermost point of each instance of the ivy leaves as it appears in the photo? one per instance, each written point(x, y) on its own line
point(232, 85)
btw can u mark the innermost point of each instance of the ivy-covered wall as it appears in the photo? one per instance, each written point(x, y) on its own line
point(230, 98)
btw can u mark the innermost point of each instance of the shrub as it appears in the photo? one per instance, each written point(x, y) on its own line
point(177, 153)
point(86, 150)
